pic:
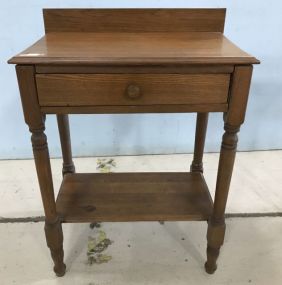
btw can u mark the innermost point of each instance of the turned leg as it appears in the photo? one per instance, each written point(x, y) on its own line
point(201, 128)
point(237, 103)
point(53, 227)
point(64, 130)
point(36, 122)
point(216, 225)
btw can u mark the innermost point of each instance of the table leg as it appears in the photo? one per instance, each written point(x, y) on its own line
point(36, 122)
point(64, 130)
point(233, 119)
point(53, 228)
point(216, 225)
point(200, 136)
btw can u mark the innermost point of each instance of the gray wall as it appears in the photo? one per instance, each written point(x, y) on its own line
point(254, 25)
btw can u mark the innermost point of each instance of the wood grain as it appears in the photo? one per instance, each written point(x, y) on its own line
point(34, 119)
point(134, 20)
point(36, 122)
point(134, 197)
point(28, 93)
point(130, 109)
point(239, 94)
point(233, 119)
point(123, 49)
point(113, 89)
point(140, 69)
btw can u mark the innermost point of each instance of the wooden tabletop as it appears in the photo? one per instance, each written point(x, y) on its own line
point(114, 48)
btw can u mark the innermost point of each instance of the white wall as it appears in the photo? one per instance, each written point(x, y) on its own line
point(255, 25)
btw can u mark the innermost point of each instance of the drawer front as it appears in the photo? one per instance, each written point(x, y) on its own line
point(131, 89)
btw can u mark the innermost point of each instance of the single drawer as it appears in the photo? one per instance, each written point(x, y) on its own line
point(131, 89)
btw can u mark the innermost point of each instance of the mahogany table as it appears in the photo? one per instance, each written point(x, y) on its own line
point(133, 61)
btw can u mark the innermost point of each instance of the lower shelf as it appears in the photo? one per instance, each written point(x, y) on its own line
point(134, 197)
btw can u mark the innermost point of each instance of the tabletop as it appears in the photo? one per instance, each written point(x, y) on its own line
point(133, 48)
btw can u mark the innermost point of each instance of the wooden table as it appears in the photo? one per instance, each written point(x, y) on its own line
point(133, 61)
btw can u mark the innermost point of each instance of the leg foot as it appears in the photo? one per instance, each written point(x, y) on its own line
point(215, 237)
point(212, 255)
point(54, 238)
point(60, 272)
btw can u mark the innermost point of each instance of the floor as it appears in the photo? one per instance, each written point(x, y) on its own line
point(147, 253)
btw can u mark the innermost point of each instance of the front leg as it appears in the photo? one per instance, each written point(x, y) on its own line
point(216, 225)
point(36, 122)
point(233, 119)
point(53, 228)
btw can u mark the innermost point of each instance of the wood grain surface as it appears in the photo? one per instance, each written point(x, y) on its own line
point(120, 48)
point(133, 197)
point(114, 89)
point(132, 109)
point(134, 20)
point(140, 69)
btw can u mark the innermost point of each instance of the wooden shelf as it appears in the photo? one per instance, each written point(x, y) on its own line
point(134, 197)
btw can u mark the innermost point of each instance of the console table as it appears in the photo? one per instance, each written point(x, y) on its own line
point(109, 61)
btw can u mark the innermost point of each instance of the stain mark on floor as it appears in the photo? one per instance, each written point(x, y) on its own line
point(95, 225)
point(105, 165)
point(97, 244)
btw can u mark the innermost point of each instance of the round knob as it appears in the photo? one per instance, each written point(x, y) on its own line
point(133, 91)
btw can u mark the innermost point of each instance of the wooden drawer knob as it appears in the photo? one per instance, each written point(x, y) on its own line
point(133, 91)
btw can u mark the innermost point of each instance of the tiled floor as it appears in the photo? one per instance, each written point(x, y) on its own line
point(148, 253)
